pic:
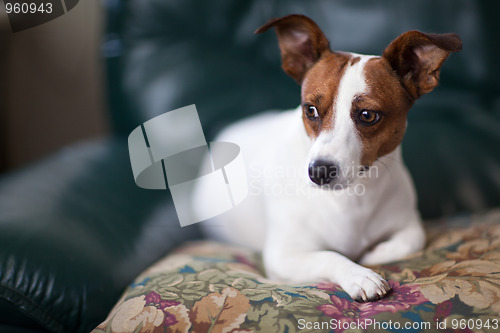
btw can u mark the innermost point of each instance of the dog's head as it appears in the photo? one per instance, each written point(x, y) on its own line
point(354, 107)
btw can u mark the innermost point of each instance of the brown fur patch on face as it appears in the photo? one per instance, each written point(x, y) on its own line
point(319, 89)
point(354, 61)
point(386, 96)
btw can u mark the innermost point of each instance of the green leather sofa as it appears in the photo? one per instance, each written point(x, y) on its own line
point(75, 230)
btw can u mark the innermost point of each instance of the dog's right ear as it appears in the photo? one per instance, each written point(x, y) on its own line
point(417, 57)
point(301, 43)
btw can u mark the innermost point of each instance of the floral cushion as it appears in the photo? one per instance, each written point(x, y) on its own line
point(453, 285)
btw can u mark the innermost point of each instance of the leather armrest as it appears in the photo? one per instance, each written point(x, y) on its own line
point(75, 230)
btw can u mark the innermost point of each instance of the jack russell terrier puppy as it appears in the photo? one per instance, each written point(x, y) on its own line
point(327, 184)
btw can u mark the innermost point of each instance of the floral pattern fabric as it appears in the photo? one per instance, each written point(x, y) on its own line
point(451, 286)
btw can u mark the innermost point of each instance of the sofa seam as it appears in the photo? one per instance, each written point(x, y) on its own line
point(34, 306)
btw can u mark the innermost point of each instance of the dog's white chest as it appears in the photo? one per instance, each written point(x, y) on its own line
point(347, 221)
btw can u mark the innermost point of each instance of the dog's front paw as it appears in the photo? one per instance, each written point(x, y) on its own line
point(382, 253)
point(364, 285)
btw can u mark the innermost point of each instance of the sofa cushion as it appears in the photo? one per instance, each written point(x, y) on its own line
point(208, 286)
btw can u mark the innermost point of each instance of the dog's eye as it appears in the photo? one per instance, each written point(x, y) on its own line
point(311, 112)
point(369, 117)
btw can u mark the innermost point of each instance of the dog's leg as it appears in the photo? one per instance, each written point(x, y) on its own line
point(401, 244)
point(296, 266)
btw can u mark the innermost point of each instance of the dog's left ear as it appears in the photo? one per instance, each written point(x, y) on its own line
point(417, 58)
point(301, 43)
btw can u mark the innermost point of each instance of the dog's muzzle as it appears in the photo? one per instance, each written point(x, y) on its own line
point(322, 172)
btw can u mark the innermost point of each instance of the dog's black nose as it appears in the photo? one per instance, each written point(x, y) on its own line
point(322, 172)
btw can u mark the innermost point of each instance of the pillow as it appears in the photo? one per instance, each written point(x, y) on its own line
point(209, 287)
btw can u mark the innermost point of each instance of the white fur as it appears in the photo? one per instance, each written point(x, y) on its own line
point(306, 233)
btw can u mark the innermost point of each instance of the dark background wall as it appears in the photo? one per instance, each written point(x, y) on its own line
point(59, 58)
